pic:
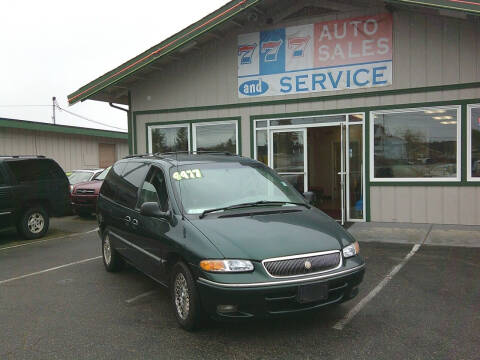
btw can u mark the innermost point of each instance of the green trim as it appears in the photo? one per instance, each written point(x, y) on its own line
point(129, 123)
point(443, 4)
point(463, 140)
point(366, 164)
point(63, 129)
point(167, 46)
point(353, 95)
point(190, 123)
point(425, 183)
point(366, 108)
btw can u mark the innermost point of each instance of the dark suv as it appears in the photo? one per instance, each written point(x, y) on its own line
point(32, 188)
point(227, 235)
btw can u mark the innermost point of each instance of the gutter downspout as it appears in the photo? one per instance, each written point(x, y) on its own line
point(129, 125)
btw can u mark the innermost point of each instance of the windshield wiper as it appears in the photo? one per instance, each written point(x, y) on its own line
point(255, 203)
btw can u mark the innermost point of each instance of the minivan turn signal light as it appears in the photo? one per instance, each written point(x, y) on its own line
point(226, 265)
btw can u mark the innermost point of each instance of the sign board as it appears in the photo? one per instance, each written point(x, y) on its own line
point(329, 56)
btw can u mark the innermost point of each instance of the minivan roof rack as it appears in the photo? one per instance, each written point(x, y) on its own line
point(194, 153)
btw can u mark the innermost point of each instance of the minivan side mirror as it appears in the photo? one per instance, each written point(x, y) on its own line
point(309, 196)
point(151, 209)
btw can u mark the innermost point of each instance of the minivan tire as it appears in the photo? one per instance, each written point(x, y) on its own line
point(182, 288)
point(33, 223)
point(111, 258)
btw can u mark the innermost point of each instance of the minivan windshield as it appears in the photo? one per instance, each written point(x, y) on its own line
point(204, 187)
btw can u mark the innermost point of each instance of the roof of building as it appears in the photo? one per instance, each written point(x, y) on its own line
point(64, 129)
point(113, 86)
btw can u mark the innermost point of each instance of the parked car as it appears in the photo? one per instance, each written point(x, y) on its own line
point(78, 176)
point(227, 235)
point(32, 188)
point(84, 195)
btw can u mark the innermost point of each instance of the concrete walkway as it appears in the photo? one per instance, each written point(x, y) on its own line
point(427, 234)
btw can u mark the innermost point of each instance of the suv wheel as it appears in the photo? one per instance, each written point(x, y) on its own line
point(111, 259)
point(184, 297)
point(34, 223)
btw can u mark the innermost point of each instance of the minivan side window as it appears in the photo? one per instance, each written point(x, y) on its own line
point(132, 177)
point(34, 170)
point(2, 179)
point(154, 189)
point(110, 184)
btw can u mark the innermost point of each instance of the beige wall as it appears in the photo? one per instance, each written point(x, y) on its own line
point(70, 151)
point(420, 204)
point(428, 50)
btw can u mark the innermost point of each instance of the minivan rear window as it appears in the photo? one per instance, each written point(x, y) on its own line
point(34, 169)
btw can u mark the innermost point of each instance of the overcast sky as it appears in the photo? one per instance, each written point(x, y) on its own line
point(53, 47)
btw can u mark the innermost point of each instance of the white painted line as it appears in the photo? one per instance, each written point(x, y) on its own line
point(47, 270)
point(45, 240)
point(148, 293)
point(356, 309)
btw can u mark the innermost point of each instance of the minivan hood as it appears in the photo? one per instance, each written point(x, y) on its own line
point(263, 236)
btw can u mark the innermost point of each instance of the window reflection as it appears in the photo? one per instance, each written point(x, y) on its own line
point(169, 139)
point(418, 144)
point(475, 139)
point(216, 137)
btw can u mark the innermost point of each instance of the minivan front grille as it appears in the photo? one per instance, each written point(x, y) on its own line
point(85, 191)
point(303, 264)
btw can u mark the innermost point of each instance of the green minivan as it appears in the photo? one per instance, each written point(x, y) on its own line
point(229, 237)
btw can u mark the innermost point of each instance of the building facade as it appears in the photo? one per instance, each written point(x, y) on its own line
point(373, 105)
point(72, 147)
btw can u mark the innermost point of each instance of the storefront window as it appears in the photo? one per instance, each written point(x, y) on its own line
point(216, 137)
point(168, 138)
point(416, 144)
point(475, 142)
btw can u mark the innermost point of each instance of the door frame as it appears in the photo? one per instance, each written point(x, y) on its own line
point(346, 150)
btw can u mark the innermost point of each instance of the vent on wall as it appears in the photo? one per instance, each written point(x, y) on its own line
point(308, 11)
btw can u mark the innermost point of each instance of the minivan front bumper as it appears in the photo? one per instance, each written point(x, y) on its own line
point(268, 299)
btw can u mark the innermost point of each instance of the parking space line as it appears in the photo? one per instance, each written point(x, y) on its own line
point(48, 270)
point(45, 240)
point(356, 309)
point(138, 297)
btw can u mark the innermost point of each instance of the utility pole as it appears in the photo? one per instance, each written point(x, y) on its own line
point(54, 99)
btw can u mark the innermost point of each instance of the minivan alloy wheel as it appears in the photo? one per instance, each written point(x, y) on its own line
point(182, 299)
point(35, 223)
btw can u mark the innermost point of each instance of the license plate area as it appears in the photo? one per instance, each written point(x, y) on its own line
point(312, 292)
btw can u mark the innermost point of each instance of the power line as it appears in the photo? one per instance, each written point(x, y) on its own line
point(87, 119)
point(23, 105)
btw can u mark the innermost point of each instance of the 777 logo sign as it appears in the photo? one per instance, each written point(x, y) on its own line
point(270, 49)
point(246, 53)
point(298, 45)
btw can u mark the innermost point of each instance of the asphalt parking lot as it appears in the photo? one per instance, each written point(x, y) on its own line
point(58, 302)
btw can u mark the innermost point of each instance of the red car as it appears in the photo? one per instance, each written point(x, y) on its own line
point(84, 195)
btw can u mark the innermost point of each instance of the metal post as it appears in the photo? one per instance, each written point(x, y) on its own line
point(54, 99)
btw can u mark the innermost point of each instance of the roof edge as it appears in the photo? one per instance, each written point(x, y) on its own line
point(191, 32)
point(469, 7)
point(64, 129)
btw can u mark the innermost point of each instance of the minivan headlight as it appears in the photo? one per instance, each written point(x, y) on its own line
point(351, 250)
point(226, 265)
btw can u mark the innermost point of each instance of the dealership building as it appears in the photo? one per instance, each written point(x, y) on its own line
point(372, 105)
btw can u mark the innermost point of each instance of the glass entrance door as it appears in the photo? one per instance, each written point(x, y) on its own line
point(325, 157)
point(289, 156)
